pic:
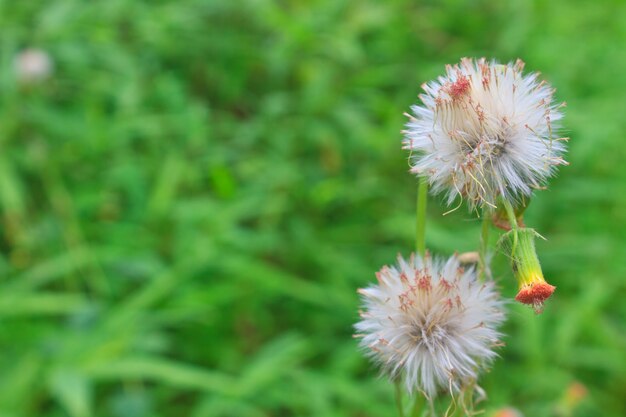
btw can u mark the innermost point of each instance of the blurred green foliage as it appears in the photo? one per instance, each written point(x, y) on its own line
point(190, 200)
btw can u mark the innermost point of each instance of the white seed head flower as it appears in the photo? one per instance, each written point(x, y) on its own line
point(485, 130)
point(431, 322)
point(33, 65)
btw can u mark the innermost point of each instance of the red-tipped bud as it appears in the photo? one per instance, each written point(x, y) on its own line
point(519, 244)
point(573, 396)
point(535, 293)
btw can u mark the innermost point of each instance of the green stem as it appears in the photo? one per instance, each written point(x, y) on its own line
point(510, 213)
point(399, 397)
point(420, 230)
point(418, 405)
point(484, 247)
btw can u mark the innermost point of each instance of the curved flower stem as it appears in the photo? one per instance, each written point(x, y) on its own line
point(510, 213)
point(398, 391)
point(420, 230)
point(484, 248)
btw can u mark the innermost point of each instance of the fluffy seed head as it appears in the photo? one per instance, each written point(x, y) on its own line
point(430, 322)
point(485, 130)
point(32, 65)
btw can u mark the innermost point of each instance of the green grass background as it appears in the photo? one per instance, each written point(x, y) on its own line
point(190, 201)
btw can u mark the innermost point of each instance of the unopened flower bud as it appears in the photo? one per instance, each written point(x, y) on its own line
point(519, 245)
point(575, 393)
point(507, 412)
point(469, 257)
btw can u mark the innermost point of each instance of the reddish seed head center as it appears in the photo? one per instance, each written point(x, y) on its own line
point(423, 283)
point(459, 88)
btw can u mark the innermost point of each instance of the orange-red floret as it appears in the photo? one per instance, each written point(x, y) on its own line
point(535, 293)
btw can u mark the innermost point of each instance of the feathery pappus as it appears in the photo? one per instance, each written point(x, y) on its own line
point(430, 322)
point(485, 130)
